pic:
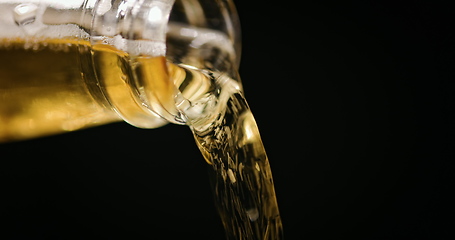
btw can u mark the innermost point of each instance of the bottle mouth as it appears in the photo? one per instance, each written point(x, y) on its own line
point(203, 39)
point(198, 34)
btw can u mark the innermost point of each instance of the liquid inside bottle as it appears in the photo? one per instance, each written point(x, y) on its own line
point(44, 91)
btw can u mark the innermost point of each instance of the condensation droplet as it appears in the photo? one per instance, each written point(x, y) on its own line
point(25, 13)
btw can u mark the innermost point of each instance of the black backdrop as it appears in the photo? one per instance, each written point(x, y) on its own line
point(354, 101)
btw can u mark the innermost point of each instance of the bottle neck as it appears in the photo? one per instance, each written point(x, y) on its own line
point(131, 29)
point(136, 33)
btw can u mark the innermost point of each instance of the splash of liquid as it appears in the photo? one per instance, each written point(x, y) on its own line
point(228, 137)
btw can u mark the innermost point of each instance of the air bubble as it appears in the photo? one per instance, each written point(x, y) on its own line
point(25, 13)
point(253, 214)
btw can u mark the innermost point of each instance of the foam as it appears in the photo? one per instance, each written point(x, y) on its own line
point(134, 47)
point(58, 4)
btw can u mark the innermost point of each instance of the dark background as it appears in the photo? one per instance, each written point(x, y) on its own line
point(354, 101)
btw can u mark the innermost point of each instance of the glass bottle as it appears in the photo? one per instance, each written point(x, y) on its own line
point(67, 65)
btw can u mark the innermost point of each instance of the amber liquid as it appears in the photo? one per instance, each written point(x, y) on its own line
point(42, 91)
point(63, 85)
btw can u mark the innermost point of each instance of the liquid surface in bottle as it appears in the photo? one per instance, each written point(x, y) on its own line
point(43, 91)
